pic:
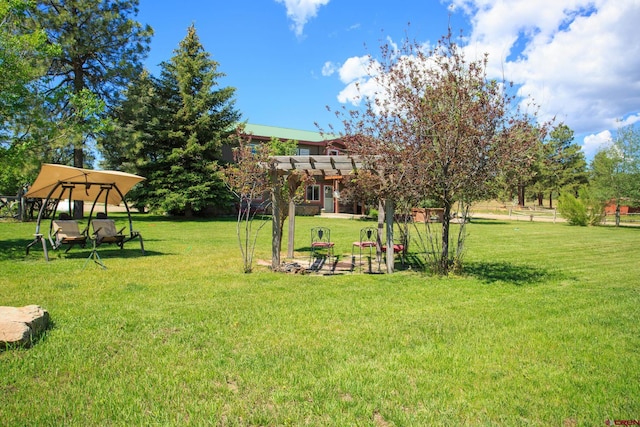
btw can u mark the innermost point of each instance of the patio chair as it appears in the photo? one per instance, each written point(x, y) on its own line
point(104, 231)
point(321, 245)
point(368, 241)
point(399, 247)
point(66, 231)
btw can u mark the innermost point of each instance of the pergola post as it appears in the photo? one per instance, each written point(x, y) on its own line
point(292, 229)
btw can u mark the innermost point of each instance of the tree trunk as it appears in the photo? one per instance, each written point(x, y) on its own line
point(78, 155)
point(550, 199)
point(78, 161)
point(276, 236)
point(188, 211)
point(380, 229)
point(617, 214)
point(444, 255)
point(540, 198)
point(388, 214)
point(521, 190)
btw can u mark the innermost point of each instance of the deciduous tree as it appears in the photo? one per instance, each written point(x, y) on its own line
point(248, 180)
point(615, 171)
point(438, 129)
point(253, 177)
point(23, 56)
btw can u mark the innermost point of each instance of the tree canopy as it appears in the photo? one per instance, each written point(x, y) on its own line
point(23, 56)
point(101, 50)
point(64, 64)
point(171, 130)
point(615, 170)
point(438, 129)
point(561, 165)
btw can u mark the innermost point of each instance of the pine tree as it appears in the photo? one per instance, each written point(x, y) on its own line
point(101, 49)
point(176, 124)
point(563, 165)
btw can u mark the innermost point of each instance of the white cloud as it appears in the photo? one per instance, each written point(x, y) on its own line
point(358, 90)
point(356, 73)
point(579, 60)
point(594, 143)
point(632, 119)
point(355, 68)
point(301, 11)
point(329, 68)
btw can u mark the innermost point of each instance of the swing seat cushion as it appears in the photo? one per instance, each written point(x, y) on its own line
point(105, 231)
point(68, 231)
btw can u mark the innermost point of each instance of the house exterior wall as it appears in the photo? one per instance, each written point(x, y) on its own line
point(309, 143)
point(610, 209)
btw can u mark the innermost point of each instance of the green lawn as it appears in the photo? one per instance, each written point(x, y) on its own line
point(542, 330)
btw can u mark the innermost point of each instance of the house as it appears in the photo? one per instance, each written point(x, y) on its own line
point(324, 194)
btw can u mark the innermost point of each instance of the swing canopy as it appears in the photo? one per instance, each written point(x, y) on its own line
point(87, 185)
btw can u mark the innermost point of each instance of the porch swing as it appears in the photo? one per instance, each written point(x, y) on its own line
point(59, 182)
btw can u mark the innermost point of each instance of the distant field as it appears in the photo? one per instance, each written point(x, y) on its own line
point(542, 329)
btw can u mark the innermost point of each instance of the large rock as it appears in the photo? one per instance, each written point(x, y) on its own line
point(20, 325)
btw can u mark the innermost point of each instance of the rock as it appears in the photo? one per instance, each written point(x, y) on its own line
point(20, 325)
point(291, 267)
point(14, 333)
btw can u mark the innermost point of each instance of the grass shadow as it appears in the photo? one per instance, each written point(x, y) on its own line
point(112, 252)
point(518, 275)
point(487, 221)
point(14, 249)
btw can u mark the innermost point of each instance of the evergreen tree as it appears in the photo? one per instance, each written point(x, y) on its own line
point(102, 47)
point(563, 165)
point(176, 125)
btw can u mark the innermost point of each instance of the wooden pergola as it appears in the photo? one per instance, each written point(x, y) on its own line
point(323, 166)
point(319, 165)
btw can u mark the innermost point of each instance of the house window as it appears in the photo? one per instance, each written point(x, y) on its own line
point(333, 152)
point(313, 193)
point(303, 152)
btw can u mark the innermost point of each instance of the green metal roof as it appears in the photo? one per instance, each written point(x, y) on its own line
point(286, 133)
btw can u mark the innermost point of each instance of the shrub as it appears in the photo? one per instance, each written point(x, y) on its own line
point(583, 210)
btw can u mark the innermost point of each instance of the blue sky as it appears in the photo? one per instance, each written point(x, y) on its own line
point(289, 59)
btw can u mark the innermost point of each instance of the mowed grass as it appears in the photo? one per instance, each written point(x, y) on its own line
point(543, 329)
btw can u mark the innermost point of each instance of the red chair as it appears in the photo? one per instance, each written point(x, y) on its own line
point(321, 247)
point(398, 248)
point(368, 240)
